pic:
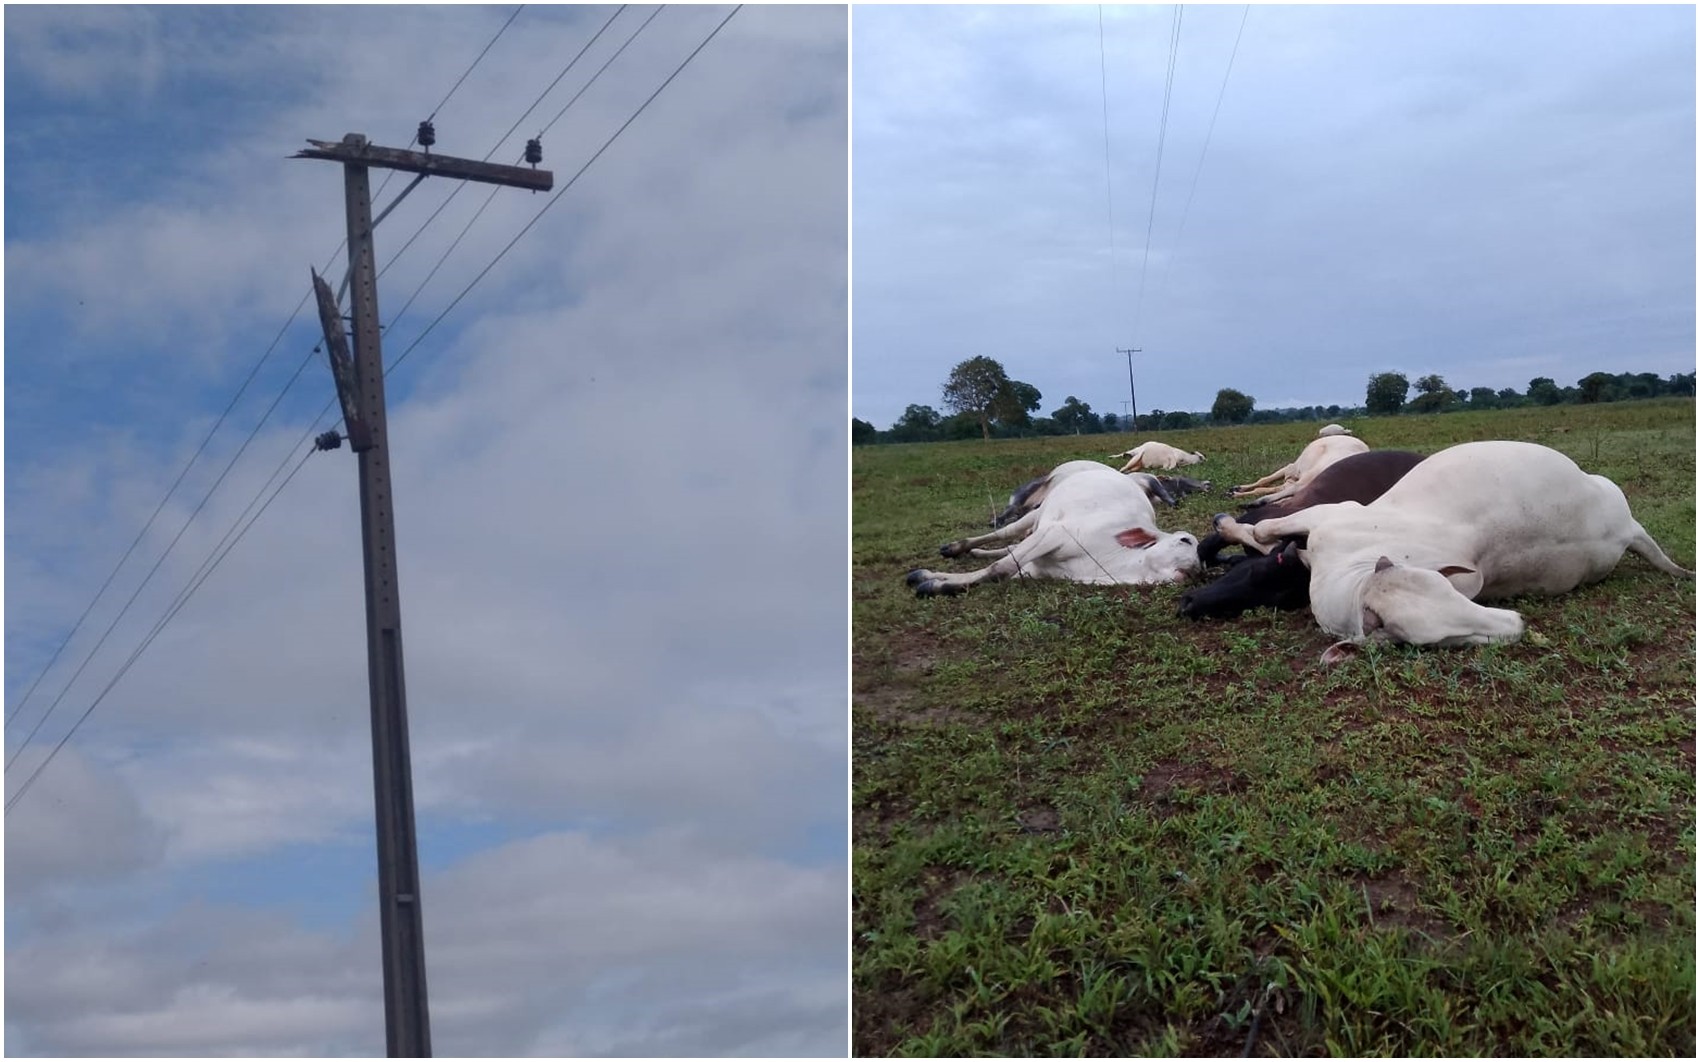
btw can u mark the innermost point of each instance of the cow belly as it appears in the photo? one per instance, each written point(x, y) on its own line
point(1549, 568)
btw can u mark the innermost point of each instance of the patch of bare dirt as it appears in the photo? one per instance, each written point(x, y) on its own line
point(1392, 901)
point(1041, 818)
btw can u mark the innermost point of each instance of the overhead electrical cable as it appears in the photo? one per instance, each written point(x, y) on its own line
point(253, 433)
point(169, 491)
point(141, 648)
point(156, 566)
point(1109, 194)
point(207, 569)
point(493, 191)
point(450, 94)
point(504, 137)
point(1157, 172)
point(563, 189)
point(1208, 134)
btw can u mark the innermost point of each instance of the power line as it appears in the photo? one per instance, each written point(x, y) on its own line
point(145, 643)
point(156, 565)
point(1109, 195)
point(1210, 132)
point(240, 391)
point(570, 182)
point(493, 191)
point(1157, 174)
point(201, 575)
point(253, 433)
point(456, 87)
point(504, 137)
point(450, 95)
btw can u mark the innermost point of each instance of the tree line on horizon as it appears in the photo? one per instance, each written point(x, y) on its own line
point(980, 399)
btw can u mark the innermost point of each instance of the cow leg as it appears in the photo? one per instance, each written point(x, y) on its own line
point(1134, 464)
point(1009, 533)
point(1233, 532)
point(1019, 561)
point(1270, 482)
point(1300, 523)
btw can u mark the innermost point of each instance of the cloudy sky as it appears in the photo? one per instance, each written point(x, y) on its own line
point(1488, 193)
point(619, 473)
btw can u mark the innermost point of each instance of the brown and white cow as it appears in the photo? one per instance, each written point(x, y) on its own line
point(1095, 526)
point(1477, 521)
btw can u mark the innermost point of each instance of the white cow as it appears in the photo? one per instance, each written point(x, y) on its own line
point(1157, 455)
point(1095, 526)
point(1031, 495)
point(1481, 520)
point(1317, 455)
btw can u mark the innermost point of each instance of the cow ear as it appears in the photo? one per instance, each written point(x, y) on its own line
point(1466, 581)
point(1135, 538)
point(1382, 564)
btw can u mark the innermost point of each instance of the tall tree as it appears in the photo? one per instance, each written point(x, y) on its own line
point(1597, 387)
point(974, 386)
point(1543, 391)
point(1231, 406)
point(1386, 393)
point(1076, 417)
point(861, 431)
point(1013, 402)
point(1433, 395)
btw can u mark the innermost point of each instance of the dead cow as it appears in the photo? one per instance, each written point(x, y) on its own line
point(1157, 455)
point(1031, 495)
point(1095, 526)
point(1316, 456)
point(1478, 521)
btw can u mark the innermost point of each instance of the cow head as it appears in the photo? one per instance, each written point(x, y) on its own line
point(1426, 606)
point(1279, 580)
point(1167, 556)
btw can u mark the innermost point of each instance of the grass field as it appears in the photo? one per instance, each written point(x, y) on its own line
point(1084, 825)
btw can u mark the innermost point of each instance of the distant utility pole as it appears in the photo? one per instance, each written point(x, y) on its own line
point(1133, 399)
point(360, 388)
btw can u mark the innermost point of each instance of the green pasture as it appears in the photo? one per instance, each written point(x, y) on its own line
point(1086, 826)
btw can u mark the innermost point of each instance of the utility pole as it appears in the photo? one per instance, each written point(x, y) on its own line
point(1133, 398)
point(360, 388)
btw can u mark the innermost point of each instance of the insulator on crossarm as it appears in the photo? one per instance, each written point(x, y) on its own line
point(427, 135)
point(534, 151)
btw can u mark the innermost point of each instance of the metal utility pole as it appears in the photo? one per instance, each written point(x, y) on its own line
point(1132, 398)
point(360, 387)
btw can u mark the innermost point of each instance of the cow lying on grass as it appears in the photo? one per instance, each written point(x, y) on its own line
point(1095, 526)
point(1281, 580)
point(1030, 495)
point(1157, 455)
point(1359, 477)
point(1478, 521)
point(1317, 455)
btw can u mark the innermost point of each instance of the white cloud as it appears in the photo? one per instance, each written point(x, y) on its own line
point(621, 514)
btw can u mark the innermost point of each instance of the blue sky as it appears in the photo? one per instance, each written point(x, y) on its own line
point(628, 735)
point(1491, 193)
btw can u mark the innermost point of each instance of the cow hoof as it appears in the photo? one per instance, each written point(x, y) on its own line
point(937, 588)
point(953, 549)
point(916, 577)
point(1217, 520)
point(1339, 653)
